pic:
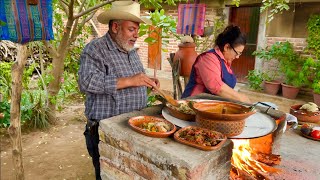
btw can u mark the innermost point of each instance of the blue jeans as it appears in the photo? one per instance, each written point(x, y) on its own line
point(92, 140)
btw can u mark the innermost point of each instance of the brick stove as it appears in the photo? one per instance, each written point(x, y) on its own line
point(126, 154)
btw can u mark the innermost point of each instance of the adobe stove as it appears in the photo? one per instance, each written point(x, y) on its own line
point(126, 154)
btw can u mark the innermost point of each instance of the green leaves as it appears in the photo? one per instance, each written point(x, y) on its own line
point(313, 38)
point(255, 79)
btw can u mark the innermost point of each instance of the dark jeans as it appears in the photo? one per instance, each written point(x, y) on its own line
point(92, 140)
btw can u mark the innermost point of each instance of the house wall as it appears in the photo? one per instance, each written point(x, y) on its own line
point(286, 26)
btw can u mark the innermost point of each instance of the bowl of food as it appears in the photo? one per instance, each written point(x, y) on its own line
point(219, 110)
point(183, 111)
point(152, 126)
point(200, 138)
point(308, 112)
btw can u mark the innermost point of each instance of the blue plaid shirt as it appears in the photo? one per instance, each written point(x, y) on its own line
point(101, 63)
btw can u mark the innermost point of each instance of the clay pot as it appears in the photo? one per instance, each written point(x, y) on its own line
point(228, 128)
point(187, 55)
point(316, 98)
point(303, 115)
point(271, 87)
point(289, 92)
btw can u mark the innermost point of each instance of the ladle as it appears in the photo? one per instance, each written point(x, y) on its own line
point(167, 97)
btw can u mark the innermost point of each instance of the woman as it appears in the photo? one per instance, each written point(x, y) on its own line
point(212, 73)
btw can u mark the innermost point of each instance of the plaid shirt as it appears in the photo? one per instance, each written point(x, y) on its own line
point(101, 63)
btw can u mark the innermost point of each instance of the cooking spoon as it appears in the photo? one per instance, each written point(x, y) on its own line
point(167, 97)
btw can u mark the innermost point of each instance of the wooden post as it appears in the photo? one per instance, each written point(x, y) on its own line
point(15, 112)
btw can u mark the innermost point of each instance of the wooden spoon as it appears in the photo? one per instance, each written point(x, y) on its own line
point(167, 97)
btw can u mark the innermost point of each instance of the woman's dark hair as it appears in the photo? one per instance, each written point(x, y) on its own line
point(231, 35)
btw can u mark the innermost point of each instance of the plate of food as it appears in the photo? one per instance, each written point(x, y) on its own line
point(152, 126)
point(183, 111)
point(200, 138)
point(310, 132)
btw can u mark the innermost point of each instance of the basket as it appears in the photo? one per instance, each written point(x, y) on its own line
point(228, 128)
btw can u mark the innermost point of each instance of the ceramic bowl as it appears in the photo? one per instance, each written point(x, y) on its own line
point(175, 112)
point(221, 110)
point(220, 139)
point(136, 122)
point(303, 115)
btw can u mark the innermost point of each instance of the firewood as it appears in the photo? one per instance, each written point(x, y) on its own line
point(269, 159)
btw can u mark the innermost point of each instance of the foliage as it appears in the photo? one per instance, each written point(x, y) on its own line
point(255, 79)
point(275, 6)
point(5, 109)
point(5, 78)
point(167, 24)
point(316, 87)
point(313, 38)
point(290, 62)
point(34, 102)
point(205, 43)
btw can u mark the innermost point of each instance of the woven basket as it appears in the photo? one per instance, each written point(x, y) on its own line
point(228, 128)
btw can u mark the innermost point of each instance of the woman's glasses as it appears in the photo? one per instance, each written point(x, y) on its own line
point(238, 53)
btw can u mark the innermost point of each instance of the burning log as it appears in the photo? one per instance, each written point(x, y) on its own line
point(248, 163)
point(269, 159)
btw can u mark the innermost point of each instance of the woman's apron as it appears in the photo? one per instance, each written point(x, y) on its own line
point(228, 78)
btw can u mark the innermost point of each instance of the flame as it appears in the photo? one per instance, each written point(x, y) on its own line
point(242, 159)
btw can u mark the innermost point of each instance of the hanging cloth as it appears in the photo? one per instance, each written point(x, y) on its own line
point(191, 18)
point(24, 21)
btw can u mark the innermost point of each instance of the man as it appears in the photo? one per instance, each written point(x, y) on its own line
point(111, 73)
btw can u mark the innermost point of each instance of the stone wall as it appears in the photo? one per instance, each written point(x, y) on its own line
point(126, 154)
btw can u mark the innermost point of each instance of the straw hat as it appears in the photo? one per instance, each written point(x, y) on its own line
point(123, 10)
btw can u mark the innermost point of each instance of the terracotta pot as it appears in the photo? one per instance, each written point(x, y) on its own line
point(271, 87)
point(289, 92)
point(316, 98)
point(187, 55)
point(228, 128)
point(303, 115)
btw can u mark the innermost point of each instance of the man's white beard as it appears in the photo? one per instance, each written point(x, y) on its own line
point(123, 43)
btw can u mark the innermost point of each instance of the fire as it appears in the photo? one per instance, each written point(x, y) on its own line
point(246, 162)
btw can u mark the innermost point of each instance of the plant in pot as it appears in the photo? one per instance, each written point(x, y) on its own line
point(255, 79)
point(271, 85)
point(316, 92)
point(290, 64)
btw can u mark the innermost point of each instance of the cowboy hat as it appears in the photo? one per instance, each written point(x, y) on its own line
point(123, 10)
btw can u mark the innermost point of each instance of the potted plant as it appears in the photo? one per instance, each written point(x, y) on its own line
point(255, 79)
point(290, 64)
point(271, 85)
point(316, 92)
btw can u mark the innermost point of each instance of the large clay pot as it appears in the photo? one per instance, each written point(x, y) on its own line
point(271, 87)
point(187, 55)
point(289, 92)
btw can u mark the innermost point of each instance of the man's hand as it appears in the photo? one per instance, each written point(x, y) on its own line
point(156, 81)
point(137, 80)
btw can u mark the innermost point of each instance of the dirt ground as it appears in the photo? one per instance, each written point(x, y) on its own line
point(57, 153)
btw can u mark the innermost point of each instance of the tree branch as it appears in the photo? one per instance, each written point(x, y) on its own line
point(81, 5)
point(71, 5)
point(65, 7)
point(92, 9)
point(52, 50)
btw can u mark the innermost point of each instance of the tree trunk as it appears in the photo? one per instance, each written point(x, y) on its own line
point(15, 113)
point(57, 71)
